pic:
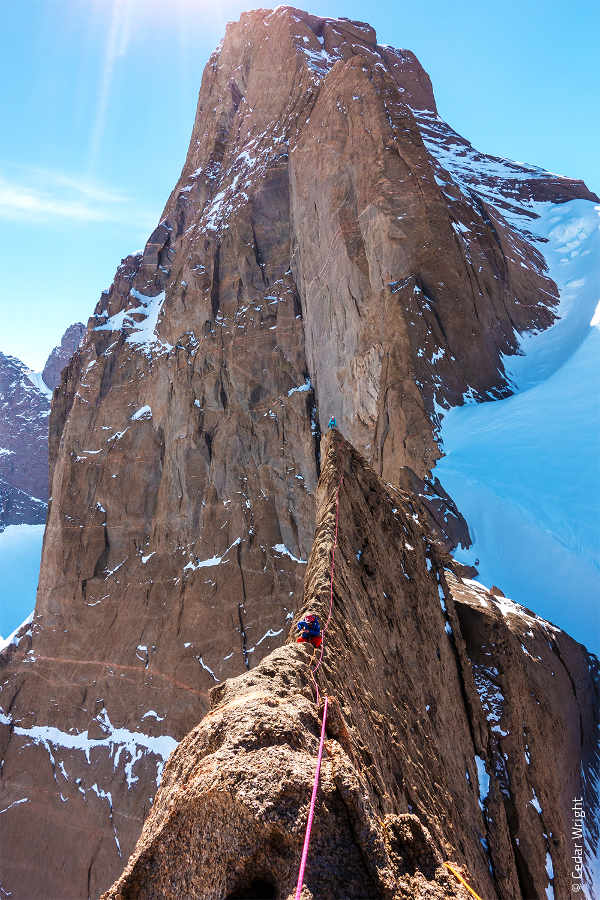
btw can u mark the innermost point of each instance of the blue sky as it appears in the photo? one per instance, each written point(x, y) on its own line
point(99, 100)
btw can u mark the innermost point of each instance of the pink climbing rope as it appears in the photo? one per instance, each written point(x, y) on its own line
point(311, 811)
point(313, 799)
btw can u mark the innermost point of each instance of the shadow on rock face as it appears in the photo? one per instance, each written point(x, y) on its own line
point(410, 846)
point(259, 889)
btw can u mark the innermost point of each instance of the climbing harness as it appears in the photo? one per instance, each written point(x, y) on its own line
point(462, 880)
point(309, 630)
point(313, 798)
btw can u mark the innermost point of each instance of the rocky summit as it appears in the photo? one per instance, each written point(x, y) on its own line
point(331, 248)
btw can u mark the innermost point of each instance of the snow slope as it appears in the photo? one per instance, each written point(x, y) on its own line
point(38, 382)
point(20, 554)
point(525, 470)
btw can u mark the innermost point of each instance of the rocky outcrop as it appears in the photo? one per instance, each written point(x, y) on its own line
point(24, 411)
point(539, 692)
point(61, 355)
point(447, 704)
point(314, 258)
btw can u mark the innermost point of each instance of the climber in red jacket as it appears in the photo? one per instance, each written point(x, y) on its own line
point(310, 631)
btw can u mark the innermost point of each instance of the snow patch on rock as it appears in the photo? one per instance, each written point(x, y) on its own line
point(283, 550)
point(132, 745)
point(141, 330)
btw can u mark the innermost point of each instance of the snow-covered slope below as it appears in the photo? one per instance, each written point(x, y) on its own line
point(525, 470)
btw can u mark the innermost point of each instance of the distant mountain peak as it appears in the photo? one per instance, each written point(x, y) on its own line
point(61, 355)
point(24, 411)
point(25, 398)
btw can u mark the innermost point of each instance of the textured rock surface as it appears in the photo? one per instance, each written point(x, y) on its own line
point(311, 260)
point(415, 664)
point(61, 355)
point(540, 694)
point(24, 412)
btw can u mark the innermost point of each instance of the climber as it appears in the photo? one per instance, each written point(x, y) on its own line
point(310, 631)
point(332, 423)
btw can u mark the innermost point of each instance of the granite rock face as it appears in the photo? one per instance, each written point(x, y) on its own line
point(446, 707)
point(314, 258)
point(539, 692)
point(61, 355)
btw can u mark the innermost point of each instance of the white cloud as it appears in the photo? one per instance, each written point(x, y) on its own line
point(39, 195)
point(119, 34)
point(84, 186)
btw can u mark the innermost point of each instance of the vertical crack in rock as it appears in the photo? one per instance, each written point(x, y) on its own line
point(241, 609)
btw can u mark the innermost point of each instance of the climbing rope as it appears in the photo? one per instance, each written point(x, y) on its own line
point(315, 788)
point(462, 880)
point(313, 799)
point(311, 811)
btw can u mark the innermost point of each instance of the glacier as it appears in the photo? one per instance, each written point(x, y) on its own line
point(525, 470)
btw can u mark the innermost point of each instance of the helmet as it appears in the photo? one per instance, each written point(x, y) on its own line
point(310, 618)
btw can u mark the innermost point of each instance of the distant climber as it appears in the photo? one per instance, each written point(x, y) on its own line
point(332, 423)
point(310, 631)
